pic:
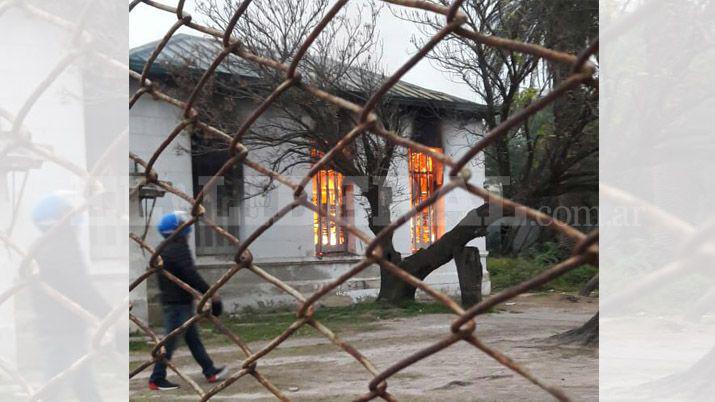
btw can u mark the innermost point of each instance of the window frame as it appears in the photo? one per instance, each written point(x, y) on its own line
point(321, 224)
point(425, 179)
point(223, 203)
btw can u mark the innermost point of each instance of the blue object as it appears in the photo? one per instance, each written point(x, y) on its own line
point(50, 210)
point(171, 221)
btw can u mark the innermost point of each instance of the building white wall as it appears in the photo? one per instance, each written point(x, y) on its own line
point(458, 202)
point(290, 240)
point(150, 121)
point(456, 140)
point(292, 236)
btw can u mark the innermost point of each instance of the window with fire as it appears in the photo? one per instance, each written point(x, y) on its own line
point(331, 194)
point(426, 177)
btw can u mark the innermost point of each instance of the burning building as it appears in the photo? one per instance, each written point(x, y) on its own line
point(303, 248)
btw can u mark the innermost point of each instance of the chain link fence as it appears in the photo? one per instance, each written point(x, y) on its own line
point(49, 49)
point(463, 328)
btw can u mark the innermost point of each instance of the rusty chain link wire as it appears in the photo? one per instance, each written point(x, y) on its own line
point(463, 327)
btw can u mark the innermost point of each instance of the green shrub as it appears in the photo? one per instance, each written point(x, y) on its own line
point(507, 272)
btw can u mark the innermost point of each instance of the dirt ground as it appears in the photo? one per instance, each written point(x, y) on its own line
point(312, 369)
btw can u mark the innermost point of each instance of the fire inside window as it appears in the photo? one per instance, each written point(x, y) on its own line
point(328, 195)
point(426, 176)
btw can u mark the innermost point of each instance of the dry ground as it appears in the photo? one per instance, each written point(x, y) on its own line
point(312, 369)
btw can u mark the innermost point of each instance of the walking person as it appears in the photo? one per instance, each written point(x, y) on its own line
point(62, 335)
point(178, 305)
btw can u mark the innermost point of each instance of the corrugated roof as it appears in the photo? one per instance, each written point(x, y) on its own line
point(199, 52)
point(188, 50)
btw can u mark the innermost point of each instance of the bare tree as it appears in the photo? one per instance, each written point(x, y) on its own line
point(344, 60)
point(555, 152)
point(552, 157)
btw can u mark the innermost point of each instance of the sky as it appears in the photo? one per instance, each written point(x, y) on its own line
point(148, 24)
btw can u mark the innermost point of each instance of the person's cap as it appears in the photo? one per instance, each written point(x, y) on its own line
point(49, 210)
point(171, 221)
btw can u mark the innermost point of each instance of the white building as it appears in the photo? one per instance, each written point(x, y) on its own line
point(297, 249)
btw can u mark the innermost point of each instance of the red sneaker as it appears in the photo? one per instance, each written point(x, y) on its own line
point(162, 385)
point(219, 375)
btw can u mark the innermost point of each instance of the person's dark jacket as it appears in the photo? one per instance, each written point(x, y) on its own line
point(178, 261)
point(62, 268)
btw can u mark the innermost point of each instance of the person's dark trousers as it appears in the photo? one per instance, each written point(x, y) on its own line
point(62, 351)
point(174, 316)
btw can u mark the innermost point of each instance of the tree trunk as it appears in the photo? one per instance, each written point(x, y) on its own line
point(469, 271)
point(426, 260)
point(590, 286)
point(379, 199)
point(389, 283)
point(586, 335)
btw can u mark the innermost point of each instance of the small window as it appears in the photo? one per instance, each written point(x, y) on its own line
point(222, 202)
point(426, 176)
point(329, 194)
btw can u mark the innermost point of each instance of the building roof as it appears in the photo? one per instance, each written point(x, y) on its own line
point(199, 52)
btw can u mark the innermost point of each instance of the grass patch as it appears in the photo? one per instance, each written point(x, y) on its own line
point(507, 272)
point(254, 325)
point(265, 325)
point(138, 346)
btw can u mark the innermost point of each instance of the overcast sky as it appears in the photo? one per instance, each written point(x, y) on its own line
point(148, 24)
